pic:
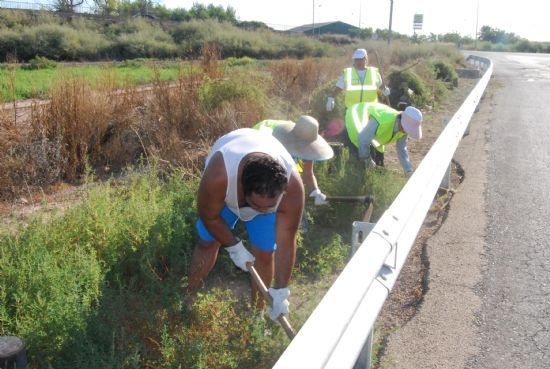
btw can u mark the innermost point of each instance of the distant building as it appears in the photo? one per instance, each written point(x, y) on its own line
point(337, 28)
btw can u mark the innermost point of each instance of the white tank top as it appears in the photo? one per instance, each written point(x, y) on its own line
point(236, 145)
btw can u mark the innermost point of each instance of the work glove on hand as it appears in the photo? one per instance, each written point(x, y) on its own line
point(330, 103)
point(280, 302)
point(369, 163)
point(386, 91)
point(319, 197)
point(240, 255)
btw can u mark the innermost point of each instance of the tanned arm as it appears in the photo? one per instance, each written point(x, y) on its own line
point(309, 176)
point(289, 215)
point(211, 200)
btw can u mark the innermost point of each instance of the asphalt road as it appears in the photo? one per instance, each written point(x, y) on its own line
point(488, 302)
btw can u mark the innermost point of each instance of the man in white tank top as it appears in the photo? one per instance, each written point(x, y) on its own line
point(250, 176)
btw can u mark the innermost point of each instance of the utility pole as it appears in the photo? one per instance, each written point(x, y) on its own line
point(389, 28)
point(313, 25)
point(360, 3)
point(477, 23)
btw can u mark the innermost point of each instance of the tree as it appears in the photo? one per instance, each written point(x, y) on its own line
point(497, 36)
point(106, 7)
point(67, 6)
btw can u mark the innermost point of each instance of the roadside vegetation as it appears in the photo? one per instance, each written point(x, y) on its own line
point(101, 282)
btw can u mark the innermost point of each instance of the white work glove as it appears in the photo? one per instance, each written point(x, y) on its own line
point(240, 255)
point(280, 302)
point(369, 163)
point(386, 91)
point(330, 103)
point(319, 197)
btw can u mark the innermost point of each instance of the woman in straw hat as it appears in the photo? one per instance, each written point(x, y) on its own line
point(303, 142)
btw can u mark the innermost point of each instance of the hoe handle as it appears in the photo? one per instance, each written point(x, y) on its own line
point(267, 297)
point(366, 199)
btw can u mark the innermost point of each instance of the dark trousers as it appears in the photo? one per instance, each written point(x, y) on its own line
point(377, 156)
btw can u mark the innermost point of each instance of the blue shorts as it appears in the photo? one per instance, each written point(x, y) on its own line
point(261, 229)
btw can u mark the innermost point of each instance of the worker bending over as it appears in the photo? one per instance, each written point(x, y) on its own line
point(370, 126)
point(250, 176)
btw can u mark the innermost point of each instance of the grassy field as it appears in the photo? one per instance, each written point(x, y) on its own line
point(17, 83)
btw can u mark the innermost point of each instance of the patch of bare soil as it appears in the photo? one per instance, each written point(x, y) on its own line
point(57, 198)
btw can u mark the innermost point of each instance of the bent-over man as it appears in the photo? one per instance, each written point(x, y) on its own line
point(250, 176)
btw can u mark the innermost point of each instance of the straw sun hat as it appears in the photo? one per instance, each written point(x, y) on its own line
point(302, 140)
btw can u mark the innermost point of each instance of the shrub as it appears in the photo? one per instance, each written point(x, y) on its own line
point(216, 92)
point(10, 43)
point(143, 44)
point(40, 62)
point(407, 86)
point(239, 62)
point(445, 72)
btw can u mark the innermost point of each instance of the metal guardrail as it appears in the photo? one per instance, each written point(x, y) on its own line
point(335, 334)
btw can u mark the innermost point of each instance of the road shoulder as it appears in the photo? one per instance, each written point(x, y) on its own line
point(443, 332)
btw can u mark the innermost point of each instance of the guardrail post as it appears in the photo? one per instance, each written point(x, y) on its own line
point(446, 180)
point(365, 357)
point(360, 231)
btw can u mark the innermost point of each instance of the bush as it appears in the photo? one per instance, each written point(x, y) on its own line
point(156, 44)
point(446, 73)
point(239, 62)
point(10, 44)
point(406, 86)
point(216, 92)
point(40, 62)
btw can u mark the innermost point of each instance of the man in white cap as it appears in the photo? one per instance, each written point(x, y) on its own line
point(303, 142)
point(360, 82)
point(370, 126)
point(250, 176)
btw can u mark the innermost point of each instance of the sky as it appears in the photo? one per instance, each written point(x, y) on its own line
point(527, 18)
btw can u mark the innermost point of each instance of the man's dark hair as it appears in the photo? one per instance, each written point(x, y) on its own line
point(264, 176)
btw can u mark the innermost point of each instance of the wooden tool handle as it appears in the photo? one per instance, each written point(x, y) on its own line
point(267, 297)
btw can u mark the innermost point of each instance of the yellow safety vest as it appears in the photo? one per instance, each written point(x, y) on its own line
point(356, 91)
point(358, 116)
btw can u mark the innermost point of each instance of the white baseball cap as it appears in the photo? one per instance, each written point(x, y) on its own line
point(411, 118)
point(359, 54)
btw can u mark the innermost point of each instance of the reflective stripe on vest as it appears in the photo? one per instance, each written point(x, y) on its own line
point(356, 91)
point(268, 124)
point(358, 116)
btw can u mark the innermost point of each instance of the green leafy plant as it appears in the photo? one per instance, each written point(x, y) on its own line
point(40, 62)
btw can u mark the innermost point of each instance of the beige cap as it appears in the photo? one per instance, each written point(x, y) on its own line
point(302, 140)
